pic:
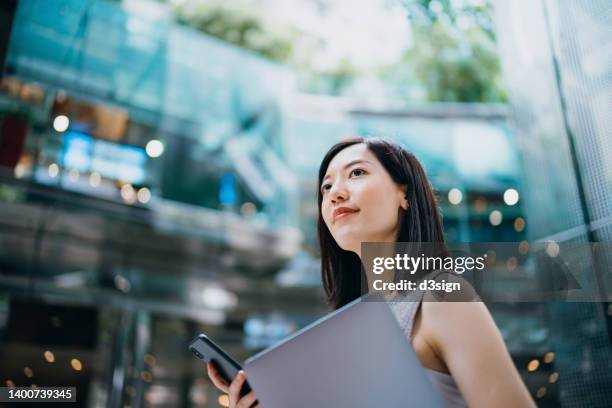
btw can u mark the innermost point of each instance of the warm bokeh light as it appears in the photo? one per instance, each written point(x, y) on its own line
point(128, 193)
point(27, 371)
point(519, 224)
point(76, 364)
point(533, 365)
point(549, 357)
point(49, 356)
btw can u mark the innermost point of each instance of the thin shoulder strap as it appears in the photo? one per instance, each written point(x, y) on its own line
point(405, 309)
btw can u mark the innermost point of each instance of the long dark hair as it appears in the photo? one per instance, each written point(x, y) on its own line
point(421, 222)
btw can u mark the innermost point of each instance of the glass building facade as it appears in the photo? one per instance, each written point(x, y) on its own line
point(556, 61)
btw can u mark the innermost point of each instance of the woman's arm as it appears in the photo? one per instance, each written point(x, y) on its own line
point(465, 336)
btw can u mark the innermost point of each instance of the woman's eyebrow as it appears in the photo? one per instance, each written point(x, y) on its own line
point(349, 164)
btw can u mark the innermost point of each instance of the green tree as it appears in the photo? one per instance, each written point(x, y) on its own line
point(239, 26)
point(455, 69)
point(454, 55)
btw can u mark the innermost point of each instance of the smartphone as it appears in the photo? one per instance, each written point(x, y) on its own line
point(206, 350)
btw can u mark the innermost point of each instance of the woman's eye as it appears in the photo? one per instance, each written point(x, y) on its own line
point(325, 187)
point(357, 172)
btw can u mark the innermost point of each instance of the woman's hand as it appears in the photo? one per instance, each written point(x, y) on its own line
point(233, 389)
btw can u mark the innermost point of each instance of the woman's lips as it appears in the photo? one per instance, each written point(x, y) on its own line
point(344, 214)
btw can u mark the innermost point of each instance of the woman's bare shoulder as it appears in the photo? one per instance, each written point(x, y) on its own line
point(448, 314)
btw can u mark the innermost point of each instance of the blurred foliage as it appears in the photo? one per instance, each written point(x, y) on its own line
point(331, 81)
point(241, 27)
point(458, 13)
point(456, 70)
point(454, 55)
point(247, 28)
point(341, 76)
point(11, 194)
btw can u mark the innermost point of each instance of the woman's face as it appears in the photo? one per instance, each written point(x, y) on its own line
point(361, 203)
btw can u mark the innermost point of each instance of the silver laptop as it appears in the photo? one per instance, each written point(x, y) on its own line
point(355, 357)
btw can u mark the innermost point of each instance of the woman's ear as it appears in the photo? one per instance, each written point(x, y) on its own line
point(403, 196)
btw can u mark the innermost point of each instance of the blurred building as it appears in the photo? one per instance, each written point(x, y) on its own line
point(136, 210)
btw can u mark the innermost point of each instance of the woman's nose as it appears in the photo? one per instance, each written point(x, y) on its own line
point(338, 194)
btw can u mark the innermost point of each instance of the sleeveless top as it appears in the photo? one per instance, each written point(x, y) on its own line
point(405, 312)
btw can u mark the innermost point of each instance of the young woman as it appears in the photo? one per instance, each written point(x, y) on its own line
point(373, 190)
